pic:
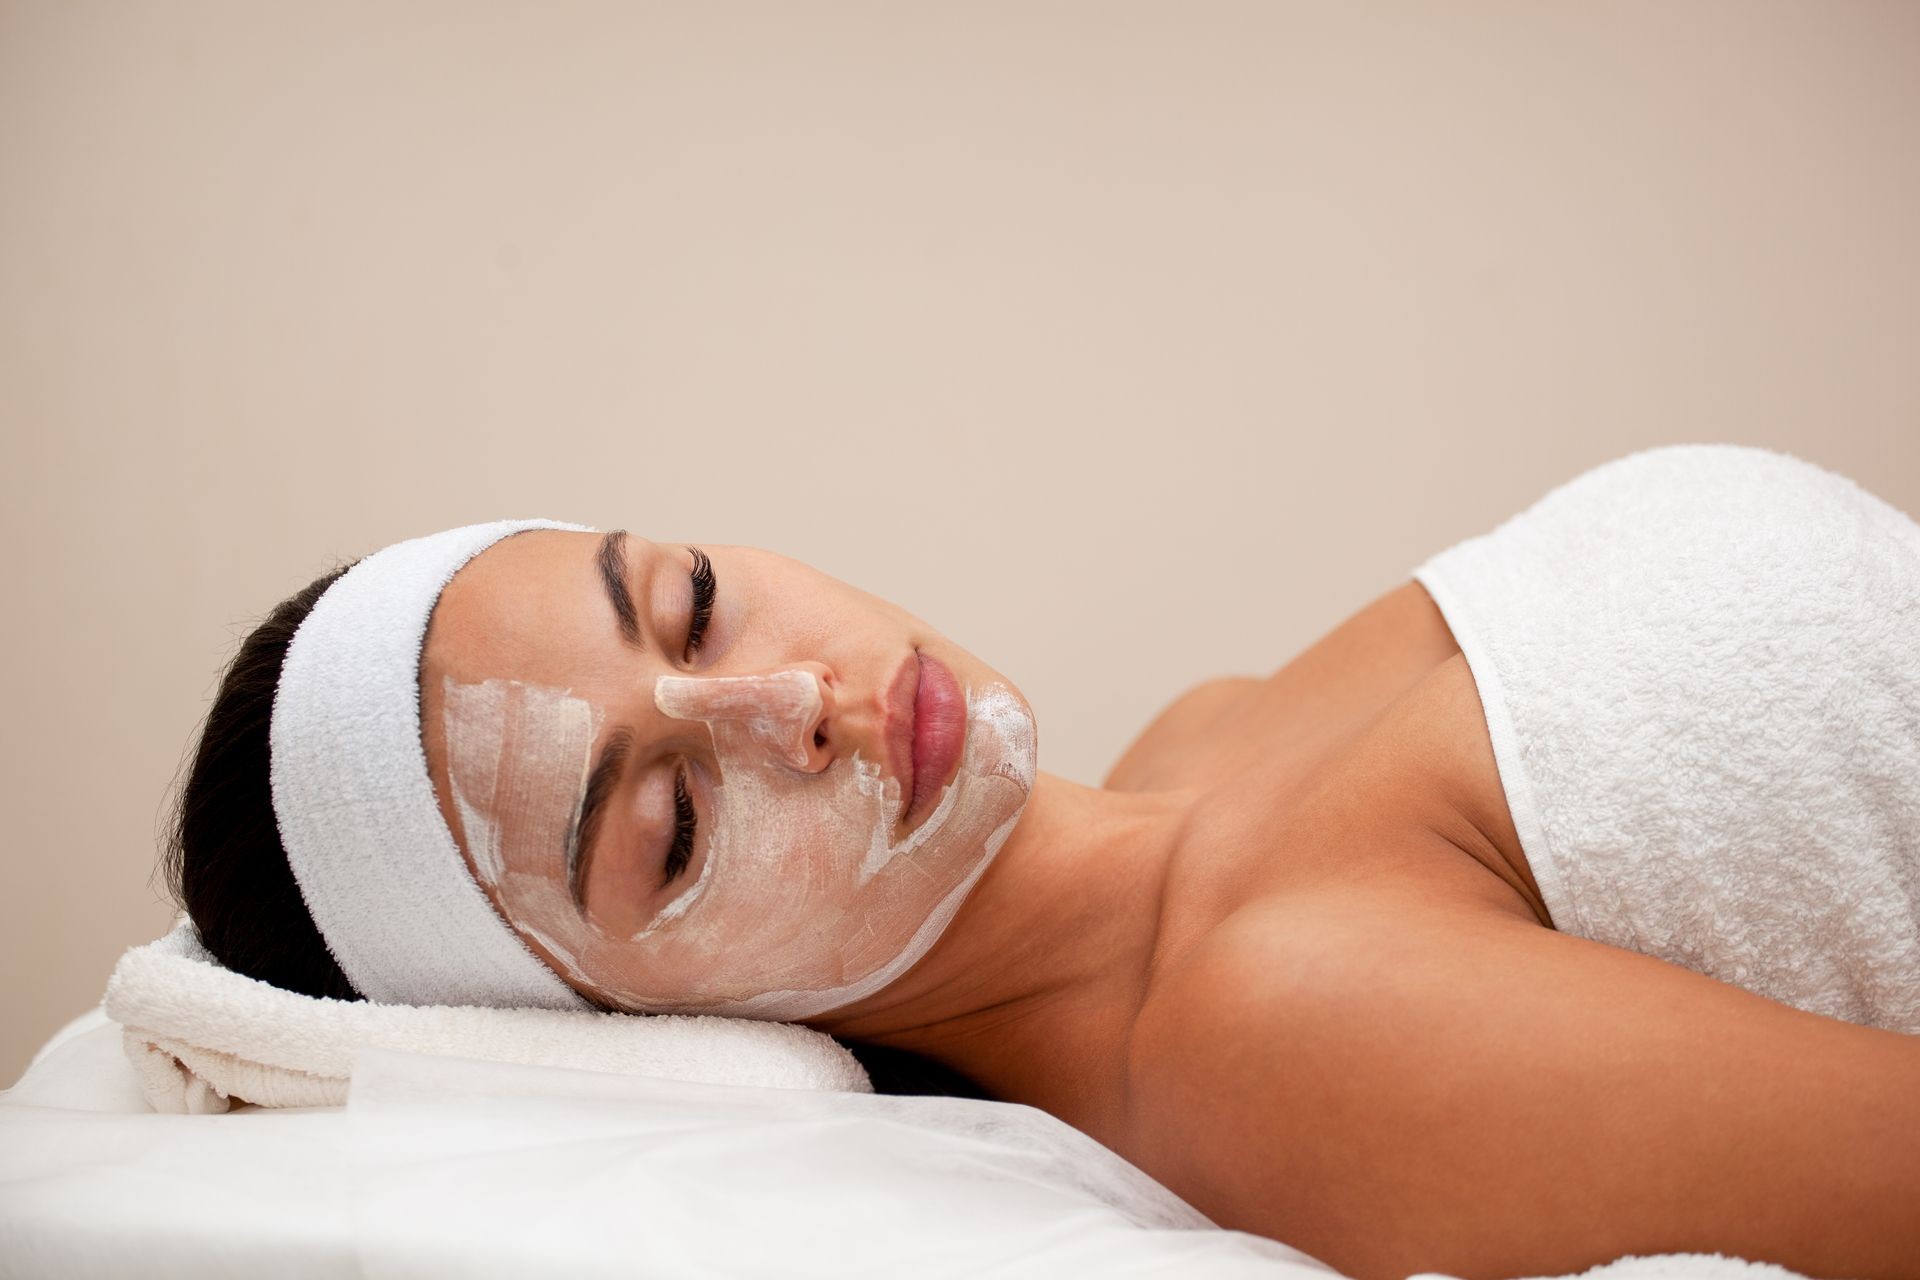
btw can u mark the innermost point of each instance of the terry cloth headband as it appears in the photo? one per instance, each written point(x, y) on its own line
point(374, 858)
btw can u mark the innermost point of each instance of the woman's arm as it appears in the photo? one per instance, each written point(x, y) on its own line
point(1397, 1091)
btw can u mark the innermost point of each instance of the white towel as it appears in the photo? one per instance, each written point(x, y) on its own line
point(202, 1037)
point(1669, 1266)
point(1700, 667)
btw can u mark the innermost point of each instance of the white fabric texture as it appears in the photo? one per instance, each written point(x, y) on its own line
point(445, 1167)
point(1700, 668)
point(1669, 1266)
point(442, 1167)
point(376, 862)
point(201, 1037)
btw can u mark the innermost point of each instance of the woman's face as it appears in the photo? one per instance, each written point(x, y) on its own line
point(712, 779)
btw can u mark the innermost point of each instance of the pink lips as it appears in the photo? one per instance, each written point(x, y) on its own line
point(925, 735)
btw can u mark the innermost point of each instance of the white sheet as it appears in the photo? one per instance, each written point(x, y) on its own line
point(450, 1167)
point(443, 1166)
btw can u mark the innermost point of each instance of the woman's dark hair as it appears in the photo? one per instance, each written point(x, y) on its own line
point(227, 869)
point(225, 863)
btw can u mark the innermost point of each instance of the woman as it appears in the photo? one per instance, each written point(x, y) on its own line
point(1414, 957)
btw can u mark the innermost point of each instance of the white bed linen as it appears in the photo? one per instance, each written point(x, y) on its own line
point(95, 1183)
point(444, 1166)
point(451, 1167)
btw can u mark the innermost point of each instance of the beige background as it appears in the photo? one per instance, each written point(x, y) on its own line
point(1129, 344)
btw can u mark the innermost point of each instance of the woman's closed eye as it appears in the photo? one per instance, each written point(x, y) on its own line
point(685, 820)
point(705, 587)
point(684, 824)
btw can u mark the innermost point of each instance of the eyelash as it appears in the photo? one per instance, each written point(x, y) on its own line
point(704, 590)
point(685, 821)
point(683, 827)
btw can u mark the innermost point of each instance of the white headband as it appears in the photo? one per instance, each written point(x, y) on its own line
point(376, 863)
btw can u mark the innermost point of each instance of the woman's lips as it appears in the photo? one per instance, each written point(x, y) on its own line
point(926, 734)
point(939, 731)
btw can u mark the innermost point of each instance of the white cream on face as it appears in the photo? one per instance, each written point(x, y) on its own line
point(804, 903)
point(516, 747)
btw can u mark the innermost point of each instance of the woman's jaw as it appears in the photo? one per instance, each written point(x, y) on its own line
point(1045, 966)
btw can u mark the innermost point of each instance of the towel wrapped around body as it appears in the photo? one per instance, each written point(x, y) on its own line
point(1700, 669)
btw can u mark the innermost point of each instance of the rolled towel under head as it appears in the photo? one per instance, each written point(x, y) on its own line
point(202, 1037)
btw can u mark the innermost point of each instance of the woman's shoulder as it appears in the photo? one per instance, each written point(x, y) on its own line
point(1188, 720)
point(1336, 1050)
point(1327, 944)
point(1316, 699)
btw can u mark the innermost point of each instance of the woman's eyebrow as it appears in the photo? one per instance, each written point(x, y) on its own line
point(600, 784)
point(611, 561)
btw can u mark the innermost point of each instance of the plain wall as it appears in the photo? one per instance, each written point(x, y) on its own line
point(1128, 344)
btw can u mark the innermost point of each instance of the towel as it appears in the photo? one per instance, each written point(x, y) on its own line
point(1700, 668)
point(202, 1038)
point(378, 867)
point(1669, 1266)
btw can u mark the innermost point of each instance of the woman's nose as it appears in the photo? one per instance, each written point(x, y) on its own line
point(786, 711)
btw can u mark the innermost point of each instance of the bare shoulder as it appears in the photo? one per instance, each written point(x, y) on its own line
point(1396, 1090)
point(1191, 718)
point(1340, 681)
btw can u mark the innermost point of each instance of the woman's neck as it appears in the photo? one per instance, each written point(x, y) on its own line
point(1032, 990)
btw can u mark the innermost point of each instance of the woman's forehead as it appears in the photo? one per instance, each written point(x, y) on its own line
point(527, 608)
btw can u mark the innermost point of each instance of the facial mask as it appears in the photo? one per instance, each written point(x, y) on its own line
point(803, 901)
